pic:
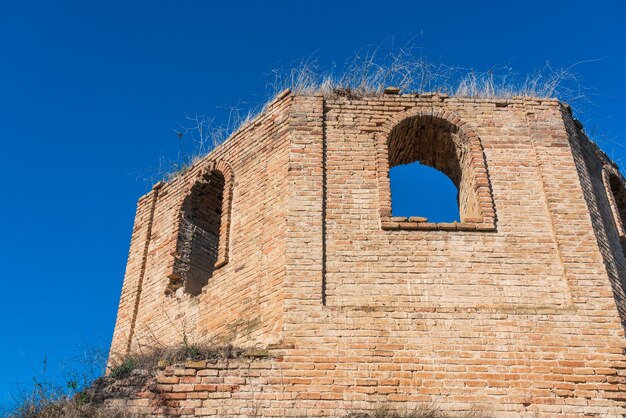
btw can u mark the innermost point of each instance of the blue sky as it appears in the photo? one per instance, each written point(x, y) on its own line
point(90, 93)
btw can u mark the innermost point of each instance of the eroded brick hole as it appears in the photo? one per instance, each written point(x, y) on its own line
point(199, 235)
point(433, 142)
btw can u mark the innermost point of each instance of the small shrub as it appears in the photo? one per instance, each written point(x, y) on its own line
point(81, 398)
point(123, 369)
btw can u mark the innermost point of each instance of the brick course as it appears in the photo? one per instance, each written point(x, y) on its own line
point(518, 309)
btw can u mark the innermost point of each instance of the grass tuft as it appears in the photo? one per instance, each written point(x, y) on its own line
point(370, 71)
point(367, 74)
point(123, 369)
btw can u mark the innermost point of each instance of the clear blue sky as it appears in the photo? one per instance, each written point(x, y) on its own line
point(90, 93)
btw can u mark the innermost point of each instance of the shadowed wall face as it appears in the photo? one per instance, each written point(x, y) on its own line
point(199, 235)
point(618, 205)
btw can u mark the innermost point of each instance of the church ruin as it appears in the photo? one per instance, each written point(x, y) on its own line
point(282, 238)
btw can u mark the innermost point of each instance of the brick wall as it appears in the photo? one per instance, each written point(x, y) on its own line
point(517, 310)
point(242, 299)
point(234, 387)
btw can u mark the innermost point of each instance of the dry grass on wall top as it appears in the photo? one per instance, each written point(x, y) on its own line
point(367, 74)
point(370, 72)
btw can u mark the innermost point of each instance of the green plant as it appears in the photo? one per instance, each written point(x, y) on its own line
point(123, 369)
point(81, 398)
point(72, 384)
point(190, 351)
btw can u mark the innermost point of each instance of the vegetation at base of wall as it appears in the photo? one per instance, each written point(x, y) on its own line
point(71, 408)
point(132, 373)
point(424, 411)
point(125, 378)
point(155, 358)
point(123, 369)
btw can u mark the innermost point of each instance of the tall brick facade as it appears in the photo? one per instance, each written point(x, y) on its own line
point(518, 309)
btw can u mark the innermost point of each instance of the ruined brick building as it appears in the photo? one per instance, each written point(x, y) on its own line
point(282, 238)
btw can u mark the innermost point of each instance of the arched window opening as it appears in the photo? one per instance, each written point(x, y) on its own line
point(419, 189)
point(436, 143)
point(617, 201)
point(199, 235)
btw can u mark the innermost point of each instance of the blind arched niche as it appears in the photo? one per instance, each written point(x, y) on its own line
point(203, 229)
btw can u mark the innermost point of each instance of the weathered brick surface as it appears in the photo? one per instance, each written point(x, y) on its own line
point(243, 298)
point(520, 314)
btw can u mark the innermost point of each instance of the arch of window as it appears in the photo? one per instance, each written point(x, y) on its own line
point(616, 195)
point(438, 139)
point(203, 228)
